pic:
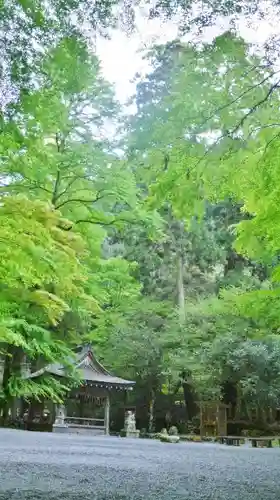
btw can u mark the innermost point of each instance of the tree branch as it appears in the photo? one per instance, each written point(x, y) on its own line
point(68, 186)
point(241, 122)
point(256, 106)
point(224, 106)
point(276, 136)
point(56, 187)
point(12, 186)
point(261, 127)
point(80, 200)
point(97, 223)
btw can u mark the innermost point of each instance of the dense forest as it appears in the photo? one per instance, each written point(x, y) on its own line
point(158, 247)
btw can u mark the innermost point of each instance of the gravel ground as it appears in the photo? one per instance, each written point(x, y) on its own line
point(43, 466)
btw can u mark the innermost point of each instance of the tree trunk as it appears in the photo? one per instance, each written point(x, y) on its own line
point(192, 409)
point(249, 412)
point(6, 376)
point(238, 411)
point(151, 412)
point(12, 366)
point(181, 291)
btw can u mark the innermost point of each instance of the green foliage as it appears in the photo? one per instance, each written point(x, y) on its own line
point(36, 251)
point(62, 186)
point(166, 257)
point(253, 365)
point(41, 272)
point(30, 29)
point(201, 136)
point(49, 388)
point(206, 13)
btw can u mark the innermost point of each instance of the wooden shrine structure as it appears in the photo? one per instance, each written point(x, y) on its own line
point(77, 414)
point(213, 419)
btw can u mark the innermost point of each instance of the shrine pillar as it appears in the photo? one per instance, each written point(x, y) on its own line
point(107, 414)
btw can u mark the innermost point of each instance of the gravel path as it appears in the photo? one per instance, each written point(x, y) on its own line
point(37, 466)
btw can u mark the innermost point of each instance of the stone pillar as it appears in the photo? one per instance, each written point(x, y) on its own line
point(107, 415)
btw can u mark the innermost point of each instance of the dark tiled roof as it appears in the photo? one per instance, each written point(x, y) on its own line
point(90, 369)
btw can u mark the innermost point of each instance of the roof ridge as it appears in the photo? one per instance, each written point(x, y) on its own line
point(94, 371)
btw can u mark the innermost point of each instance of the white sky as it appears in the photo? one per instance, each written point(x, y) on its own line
point(122, 55)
